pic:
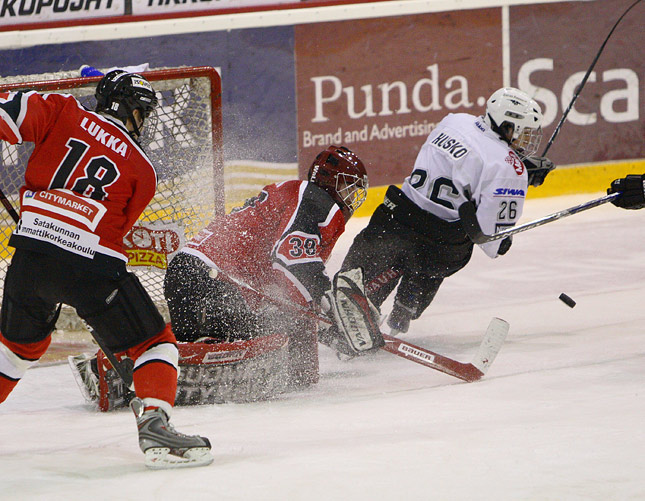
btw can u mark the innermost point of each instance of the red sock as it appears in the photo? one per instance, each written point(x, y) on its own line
point(156, 380)
point(6, 386)
point(156, 377)
point(25, 355)
point(28, 351)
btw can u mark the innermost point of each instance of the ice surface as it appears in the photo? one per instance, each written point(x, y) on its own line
point(558, 416)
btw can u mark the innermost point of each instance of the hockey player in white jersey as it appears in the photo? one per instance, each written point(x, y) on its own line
point(415, 238)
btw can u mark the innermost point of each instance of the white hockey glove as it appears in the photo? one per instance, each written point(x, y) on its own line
point(355, 330)
point(538, 168)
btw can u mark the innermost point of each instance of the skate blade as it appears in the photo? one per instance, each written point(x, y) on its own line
point(159, 458)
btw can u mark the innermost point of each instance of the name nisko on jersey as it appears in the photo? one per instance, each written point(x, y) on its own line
point(449, 144)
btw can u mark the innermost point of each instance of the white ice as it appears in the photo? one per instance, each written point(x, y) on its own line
point(560, 414)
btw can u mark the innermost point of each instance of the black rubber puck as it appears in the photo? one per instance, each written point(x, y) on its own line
point(567, 300)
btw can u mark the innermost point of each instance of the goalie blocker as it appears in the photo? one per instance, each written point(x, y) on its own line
point(355, 329)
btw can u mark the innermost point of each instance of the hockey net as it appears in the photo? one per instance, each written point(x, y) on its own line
point(185, 146)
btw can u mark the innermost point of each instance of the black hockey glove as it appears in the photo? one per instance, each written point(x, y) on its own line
point(538, 168)
point(632, 188)
point(505, 246)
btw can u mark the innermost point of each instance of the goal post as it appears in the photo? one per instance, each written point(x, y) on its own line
point(184, 143)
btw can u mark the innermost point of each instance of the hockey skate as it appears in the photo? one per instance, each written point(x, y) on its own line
point(86, 376)
point(163, 446)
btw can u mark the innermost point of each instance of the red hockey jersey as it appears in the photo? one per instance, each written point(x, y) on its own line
point(278, 242)
point(87, 181)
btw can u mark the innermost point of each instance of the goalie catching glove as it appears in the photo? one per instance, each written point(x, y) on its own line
point(355, 329)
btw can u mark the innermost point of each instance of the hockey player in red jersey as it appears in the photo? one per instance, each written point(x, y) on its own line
point(415, 239)
point(277, 243)
point(87, 181)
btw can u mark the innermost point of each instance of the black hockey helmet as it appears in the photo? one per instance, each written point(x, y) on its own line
point(340, 173)
point(119, 93)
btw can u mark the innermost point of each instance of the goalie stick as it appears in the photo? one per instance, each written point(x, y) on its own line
point(468, 216)
point(474, 371)
point(488, 349)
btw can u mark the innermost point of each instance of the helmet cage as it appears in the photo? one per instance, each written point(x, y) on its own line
point(527, 142)
point(352, 190)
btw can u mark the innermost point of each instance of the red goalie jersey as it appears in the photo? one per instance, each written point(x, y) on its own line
point(87, 180)
point(277, 242)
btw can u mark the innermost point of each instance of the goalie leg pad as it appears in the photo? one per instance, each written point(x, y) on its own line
point(355, 317)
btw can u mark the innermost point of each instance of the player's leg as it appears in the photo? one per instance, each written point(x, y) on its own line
point(414, 294)
point(430, 260)
point(123, 315)
point(26, 320)
point(379, 250)
point(185, 285)
point(201, 305)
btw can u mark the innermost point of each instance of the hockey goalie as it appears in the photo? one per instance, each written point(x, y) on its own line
point(249, 297)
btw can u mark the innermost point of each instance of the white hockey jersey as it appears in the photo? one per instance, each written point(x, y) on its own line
point(463, 159)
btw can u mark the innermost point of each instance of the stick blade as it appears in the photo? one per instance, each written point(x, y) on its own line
point(491, 344)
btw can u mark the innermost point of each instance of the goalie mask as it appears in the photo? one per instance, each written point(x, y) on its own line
point(517, 118)
point(339, 172)
point(119, 93)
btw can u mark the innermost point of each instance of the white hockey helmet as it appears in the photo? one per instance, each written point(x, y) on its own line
point(509, 107)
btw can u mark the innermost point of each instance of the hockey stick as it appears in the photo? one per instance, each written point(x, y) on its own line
point(468, 215)
point(9, 208)
point(584, 81)
point(488, 349)
point(123, 374)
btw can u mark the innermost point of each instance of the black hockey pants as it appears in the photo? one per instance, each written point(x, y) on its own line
point(201, 306)
point(406, 246)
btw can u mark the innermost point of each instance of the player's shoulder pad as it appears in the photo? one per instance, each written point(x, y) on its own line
point(315, 196)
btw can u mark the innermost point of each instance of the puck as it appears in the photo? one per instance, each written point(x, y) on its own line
point(567, 300)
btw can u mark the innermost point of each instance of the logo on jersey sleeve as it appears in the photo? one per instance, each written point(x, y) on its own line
point(514, 161)
point(509, 192)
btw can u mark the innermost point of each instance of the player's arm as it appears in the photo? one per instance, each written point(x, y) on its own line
point(500, 206)
point(302, 248)
point(27, 116)
point(632, 189)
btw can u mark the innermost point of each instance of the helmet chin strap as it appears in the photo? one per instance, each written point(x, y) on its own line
point(505, 132)
point(135, 133)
